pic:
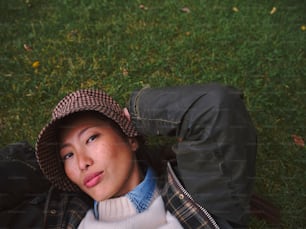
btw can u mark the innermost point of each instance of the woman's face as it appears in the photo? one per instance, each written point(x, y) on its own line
point(97, 158)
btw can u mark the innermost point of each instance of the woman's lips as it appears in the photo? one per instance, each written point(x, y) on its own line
point(92, 179)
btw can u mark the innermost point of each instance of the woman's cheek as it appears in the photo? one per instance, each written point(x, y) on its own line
point(70, 169)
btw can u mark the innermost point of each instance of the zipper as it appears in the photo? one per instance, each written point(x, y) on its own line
point(184, 191)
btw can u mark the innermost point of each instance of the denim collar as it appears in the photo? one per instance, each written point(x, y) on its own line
point(140, 196)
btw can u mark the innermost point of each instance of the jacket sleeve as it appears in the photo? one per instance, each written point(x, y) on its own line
point(216, 148)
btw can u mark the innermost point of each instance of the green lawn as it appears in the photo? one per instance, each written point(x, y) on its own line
point(121, 46)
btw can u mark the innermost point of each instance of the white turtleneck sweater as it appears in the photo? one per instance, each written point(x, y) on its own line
point(125, 212)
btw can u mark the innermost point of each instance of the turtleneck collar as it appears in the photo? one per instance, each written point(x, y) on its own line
point(141, 196)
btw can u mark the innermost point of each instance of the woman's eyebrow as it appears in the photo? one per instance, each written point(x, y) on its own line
point(63, 145)
point(84, 130)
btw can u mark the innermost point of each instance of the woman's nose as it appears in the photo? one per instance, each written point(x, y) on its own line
point(84, 161)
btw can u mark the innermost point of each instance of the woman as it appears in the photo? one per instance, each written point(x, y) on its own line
point(92, 146)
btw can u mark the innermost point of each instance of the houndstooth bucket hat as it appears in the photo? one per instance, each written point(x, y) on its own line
point(82, 100)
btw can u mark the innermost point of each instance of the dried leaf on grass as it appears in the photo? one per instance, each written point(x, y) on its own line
point(185, 10)
point(298, 140)
point(143, 7)
point(35, 64)
point(235, 9)
point(27, 47)
point(125, 72)
point(273, 11)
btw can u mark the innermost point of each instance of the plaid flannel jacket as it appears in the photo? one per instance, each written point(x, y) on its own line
point(179, 202)
point(65, 210)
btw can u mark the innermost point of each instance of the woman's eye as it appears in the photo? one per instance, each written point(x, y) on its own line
point(67, 156)
point(92, 138)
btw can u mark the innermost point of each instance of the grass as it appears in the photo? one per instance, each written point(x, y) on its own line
point(117, 46)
